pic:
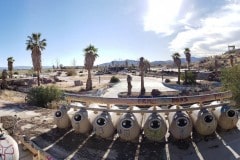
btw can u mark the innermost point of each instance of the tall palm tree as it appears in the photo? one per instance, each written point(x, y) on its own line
point(147, 65)
point(10, 66)
point(231, 57)
point(216, 64)
point(142, 68)
point(188, 57)
point(4, 79)
point(126, 63)
point(90, 56)
point(36, 45)
point(113, 63)
point(176, 58)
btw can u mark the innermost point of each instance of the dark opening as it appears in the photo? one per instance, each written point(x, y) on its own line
point(58, 114)
point(126, 124)
point(155, 124)
point(101, 121)
point(182, 122)
point(231, 113)
point(208, 118)
point(77, 117)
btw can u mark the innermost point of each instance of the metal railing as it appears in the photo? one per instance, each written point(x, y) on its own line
point(179, 100)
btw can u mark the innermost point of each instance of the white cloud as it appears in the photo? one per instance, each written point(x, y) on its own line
point(213, 34)
point(161, 16)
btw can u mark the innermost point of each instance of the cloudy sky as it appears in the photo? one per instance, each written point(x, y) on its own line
point(120, 29)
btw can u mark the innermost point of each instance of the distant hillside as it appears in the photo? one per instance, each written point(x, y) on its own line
point(234, 51)
point(154, 63)
point(183, 60)
point(24, 67)
point(120, 63)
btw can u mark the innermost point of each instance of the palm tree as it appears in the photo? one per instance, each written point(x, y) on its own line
point(10, 66)
point(4, 79)
point(126, 63)
point(142, 68)
point(147, 65)
point(90, 57)
point(216, 64)
point(188, 57)
point(113, 63)
point(231, 57)
point(36, 45)
point(176, 58)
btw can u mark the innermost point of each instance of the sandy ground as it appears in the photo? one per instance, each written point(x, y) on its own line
point(37, 123)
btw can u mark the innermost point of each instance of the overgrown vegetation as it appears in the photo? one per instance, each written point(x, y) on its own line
point(41, 96)
point(230, 78)
point(189, 77)
point(114, 79)
point(71, 72)
point(167, 80)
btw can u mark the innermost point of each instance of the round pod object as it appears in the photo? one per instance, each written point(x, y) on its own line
point(61, 117)
point(227, 118)
point(129, 125)
point(105, 124)
point(180, 124)
point(8, 148)
point(82, 119)
point(203, 120)
point(154, 125)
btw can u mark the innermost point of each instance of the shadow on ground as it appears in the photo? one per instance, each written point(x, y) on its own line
point(66, 144)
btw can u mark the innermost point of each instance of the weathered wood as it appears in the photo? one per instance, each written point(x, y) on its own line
point(37, 152)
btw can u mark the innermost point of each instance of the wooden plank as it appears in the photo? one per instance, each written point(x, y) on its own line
point(38, 153)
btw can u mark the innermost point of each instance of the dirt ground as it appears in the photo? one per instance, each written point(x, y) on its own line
point(37, 124)
point(66, 144)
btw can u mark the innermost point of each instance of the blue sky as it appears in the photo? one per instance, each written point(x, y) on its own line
point(120, 29)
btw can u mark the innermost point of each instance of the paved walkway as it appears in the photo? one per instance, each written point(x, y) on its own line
point(149, 83)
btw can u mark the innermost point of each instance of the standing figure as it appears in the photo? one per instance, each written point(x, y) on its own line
point(129, 79)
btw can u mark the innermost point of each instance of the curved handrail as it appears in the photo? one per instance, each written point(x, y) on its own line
point(149, 101)
point(148, 111)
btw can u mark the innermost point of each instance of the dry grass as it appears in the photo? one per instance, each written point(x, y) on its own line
point(67, 85)
point(68, 82)
point(12, 96)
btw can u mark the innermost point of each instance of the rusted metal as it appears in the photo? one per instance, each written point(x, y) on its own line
point(227, 117)
point(203, 120)
point(147, 111)
point(180, 124)
point(180, 100)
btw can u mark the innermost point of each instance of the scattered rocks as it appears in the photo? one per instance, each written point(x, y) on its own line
point(155, 93)
point(8, 123)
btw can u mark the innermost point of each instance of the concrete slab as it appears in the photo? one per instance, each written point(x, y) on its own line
point(149, 83)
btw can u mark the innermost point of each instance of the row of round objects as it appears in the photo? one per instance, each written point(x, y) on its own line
point(129, 125)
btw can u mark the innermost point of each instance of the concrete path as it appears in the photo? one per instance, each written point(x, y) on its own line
point(149, 83)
